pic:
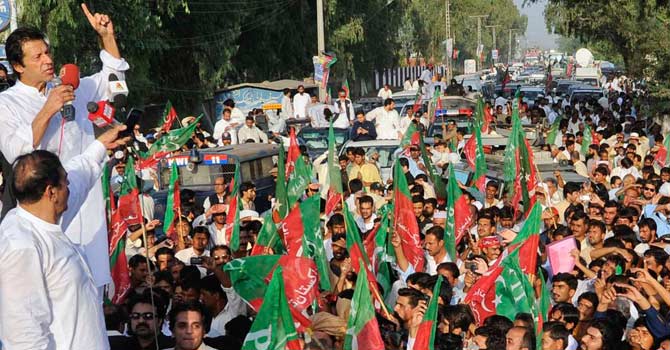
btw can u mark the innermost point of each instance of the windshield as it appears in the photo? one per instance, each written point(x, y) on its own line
point(315, 140)
point(386, 157)
point(530, 94)
point(583, 96)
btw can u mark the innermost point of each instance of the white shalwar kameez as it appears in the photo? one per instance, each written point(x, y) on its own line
point(19, 106)
point(48, 298)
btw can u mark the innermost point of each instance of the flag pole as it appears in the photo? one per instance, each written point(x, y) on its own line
point(375, 291)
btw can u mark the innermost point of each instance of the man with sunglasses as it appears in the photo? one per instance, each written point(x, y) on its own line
point(145, 322)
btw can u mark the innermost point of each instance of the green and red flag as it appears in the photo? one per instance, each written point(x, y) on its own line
point(506, 78)
point(519, 171)
point(410, 138)
point(168, 143)
point(663, 156)
point(302, 234)
point(169, 116)
point(425, 336)
point(280, 189)
point(345, 87)
point(129, 196)
point(118, 261)
point(380, 251)
point(293, 152)
point(173, 204)
point(362, 327)
point(232, 225)
point(251, 275)
point(273, 327)
point(474, 154)
point(404, 220)
point(298, 181)
point(505, 289)
point(459, 218)
point(268, 238)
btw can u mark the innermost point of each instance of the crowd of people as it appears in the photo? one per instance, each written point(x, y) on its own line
point(181, 291)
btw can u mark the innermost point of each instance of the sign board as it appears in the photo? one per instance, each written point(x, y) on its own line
point(271, 106)
point(469, 66)
point(494, 54)
point(5, 16)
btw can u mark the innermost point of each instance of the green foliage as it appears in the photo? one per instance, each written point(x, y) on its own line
point(425, 19)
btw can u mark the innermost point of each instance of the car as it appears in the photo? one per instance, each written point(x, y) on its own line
point(510, 89)
point(368, 103)
point(255, 161)
point(316, 139)
point(563, 85)
point(387, 150)
point(582, 94)
point(530, 94)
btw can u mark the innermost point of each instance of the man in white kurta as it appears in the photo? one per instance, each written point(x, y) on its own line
point(28, 106)
point(300, 102)
point(387, 121)
point(48, 298)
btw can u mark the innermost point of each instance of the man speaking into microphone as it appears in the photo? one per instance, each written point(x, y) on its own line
point(31, 118)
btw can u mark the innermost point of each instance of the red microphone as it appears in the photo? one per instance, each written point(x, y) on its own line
point(69, 75)
point(101, 113)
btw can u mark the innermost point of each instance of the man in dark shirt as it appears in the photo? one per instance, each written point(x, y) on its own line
point(362, 130)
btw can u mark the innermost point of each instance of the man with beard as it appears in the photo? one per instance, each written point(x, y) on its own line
point(145, 322)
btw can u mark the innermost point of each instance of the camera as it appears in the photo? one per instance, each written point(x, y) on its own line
point(196, 260)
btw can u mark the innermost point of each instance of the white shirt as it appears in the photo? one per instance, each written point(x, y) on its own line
point(234, 307)
point(222, 126)
point(253, 133)
point(340, 107)
point(431, 264)
point(236, 116)
point(286, 107)
point(387, 123)
point(185, 255)
point(384, 94)
point(202, 346)
point(300, 103)
point(217, 236)
point(18, 107)
point(49, 299)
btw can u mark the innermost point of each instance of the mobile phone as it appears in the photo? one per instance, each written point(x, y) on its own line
point(132, 119)
point(196, 260)
point(471, 266)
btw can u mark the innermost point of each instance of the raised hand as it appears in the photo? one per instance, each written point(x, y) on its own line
point(101, 23)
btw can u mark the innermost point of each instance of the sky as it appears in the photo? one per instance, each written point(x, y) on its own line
point(536, 32)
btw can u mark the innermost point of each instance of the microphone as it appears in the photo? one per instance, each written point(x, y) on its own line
point(69, 75)
point(118, 91)
point(101, 113)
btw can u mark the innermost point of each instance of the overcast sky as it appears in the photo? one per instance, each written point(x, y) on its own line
point(536, 32)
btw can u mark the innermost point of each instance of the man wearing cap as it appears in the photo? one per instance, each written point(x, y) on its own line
point(440, 218)
point(491, 248)
point(225, 126)
point(312, 188)
point(217, 227)
point(250, 132)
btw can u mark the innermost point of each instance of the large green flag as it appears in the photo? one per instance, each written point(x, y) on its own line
point(173, 140)
point(173, 203)
point(362, 327)
point(273, 327)
point(425, 336)
point(435, 177)
point(268, 238)
point(298, 181)
point(302, 233)
point(553, 130)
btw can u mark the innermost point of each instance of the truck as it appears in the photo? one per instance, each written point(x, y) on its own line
point(588, 76)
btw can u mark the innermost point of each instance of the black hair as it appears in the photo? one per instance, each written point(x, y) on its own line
point(138, 259)
point(200, 229)
point(436, 231)
point(557, 331)
point(570, 313)
point(145, 298)
point(450, 266)
point(190, 306)
point(611, 334)
point(570, 187)
point(569, 279)
point(15, 41)
point(412, 294)
point(388, 101)
point(458, 316)
point(355, 185)
point(366, 199)
point(211, 284)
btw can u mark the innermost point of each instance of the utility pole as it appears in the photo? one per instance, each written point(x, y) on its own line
point(479, 38)
point(447, 18)
point(495, 42)
point(509, 47)
point(321, 40)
